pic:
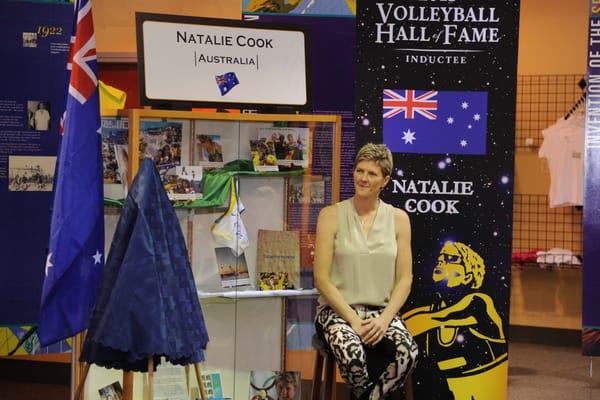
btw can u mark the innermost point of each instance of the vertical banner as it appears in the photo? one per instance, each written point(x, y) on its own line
point(34, 54)
point(591, 196)
point(436, 83)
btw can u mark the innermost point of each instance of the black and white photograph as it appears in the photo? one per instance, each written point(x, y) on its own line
point(30, 173)
point(306, 190)
point(29, 39)
point(38, 115)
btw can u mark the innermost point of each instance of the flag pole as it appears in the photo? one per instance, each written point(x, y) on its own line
point(75, 367)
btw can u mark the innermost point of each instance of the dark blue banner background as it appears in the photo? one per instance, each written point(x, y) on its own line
point(459, 201)
point(35, 38)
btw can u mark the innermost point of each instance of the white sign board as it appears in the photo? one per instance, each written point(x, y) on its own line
point(195, 60)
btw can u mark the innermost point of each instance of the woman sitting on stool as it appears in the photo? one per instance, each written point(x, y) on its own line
point(363, 271)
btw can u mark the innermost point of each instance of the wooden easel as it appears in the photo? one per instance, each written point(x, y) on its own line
point(128, 381)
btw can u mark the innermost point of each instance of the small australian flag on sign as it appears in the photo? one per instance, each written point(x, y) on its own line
point(435, 122)
point(226, 82)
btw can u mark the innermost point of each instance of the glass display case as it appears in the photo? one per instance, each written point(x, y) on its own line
point(247, 189)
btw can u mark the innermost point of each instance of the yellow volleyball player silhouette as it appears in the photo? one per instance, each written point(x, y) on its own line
point(462, 330)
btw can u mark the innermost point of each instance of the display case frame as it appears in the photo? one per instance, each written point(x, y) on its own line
point(231, 353)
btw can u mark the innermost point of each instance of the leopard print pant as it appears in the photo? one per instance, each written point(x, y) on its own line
point(396, 353)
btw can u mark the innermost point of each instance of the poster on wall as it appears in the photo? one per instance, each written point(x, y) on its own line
point(36, 39)
point(436, 83)
point(591, 197)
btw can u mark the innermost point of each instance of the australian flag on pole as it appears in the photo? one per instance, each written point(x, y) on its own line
point(226, 82)
point(75, 260)
point(435, 122)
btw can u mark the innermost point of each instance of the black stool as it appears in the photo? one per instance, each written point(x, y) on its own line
point(325, 356)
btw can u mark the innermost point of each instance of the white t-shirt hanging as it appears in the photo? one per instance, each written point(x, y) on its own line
point(563, 147)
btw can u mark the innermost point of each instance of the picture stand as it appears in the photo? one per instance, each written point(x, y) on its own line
point(128, 381)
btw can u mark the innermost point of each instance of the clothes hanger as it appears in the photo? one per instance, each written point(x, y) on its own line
point(582, 84)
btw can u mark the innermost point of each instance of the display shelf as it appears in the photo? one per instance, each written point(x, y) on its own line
point(546, 266)
point(248, 328)
point(253, 294)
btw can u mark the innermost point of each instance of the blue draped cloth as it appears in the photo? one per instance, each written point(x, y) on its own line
point(148, 304)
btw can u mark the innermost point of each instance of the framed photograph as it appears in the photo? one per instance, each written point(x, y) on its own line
point(38, 115)
point(182, 182)
point(291, 146)
point(162, 141)
point(262, 153)
point(31, 173)
point(208, 151)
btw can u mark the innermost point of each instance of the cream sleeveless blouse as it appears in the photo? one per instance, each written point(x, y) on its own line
point(364, 268)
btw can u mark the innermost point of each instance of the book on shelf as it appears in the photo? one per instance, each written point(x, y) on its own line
point(233, 269)
point(278, 259)
point(170, 382)
point(115, 134)
point(213, 387)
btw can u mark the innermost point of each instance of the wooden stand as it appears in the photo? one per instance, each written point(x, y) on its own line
point(128, 382)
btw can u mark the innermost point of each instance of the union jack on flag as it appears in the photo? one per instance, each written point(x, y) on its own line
point(75, 259)
point(226, 82)
point(83, 80)
point(409, 103)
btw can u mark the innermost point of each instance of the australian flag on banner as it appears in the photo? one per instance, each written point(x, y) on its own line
point(435, 122)
point(226, 82)
point(75, 259)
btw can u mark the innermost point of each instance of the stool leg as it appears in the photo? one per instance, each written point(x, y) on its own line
point(317, 376)
point(329, 377)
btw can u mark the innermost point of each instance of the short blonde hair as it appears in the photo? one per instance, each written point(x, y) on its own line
point(379, 153)
point(473, 263)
